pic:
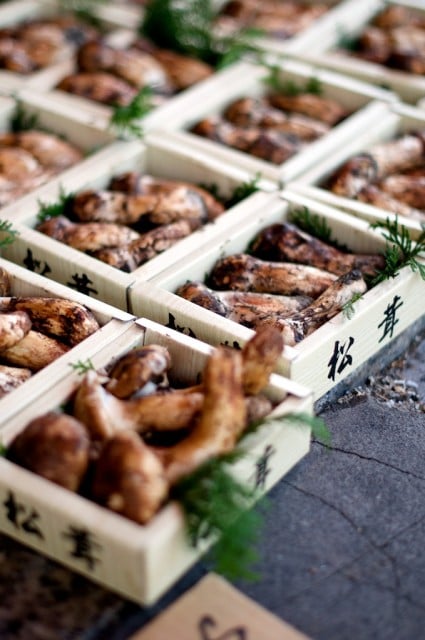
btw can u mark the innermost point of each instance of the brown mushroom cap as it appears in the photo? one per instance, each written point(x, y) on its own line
point(136, 368)
point(129, 478)
point(55, 446)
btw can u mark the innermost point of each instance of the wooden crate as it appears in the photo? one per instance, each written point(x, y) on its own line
point(326, 50)
point(139, 562)
point(249, 79)
point(112, 323)
point(18, 11)
point(61, 122)
point(395, 120)
point(332, 352)
point(315, 31)
point(96, 114)
point(159, 157)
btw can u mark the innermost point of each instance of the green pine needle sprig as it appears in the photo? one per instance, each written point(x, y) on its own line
point(401, 251)
point(188, 28)
point(243, 190)
point(54, 209)
point(125, 120)
point(8, 234)
point(347, 41)
point(22, 120)
point(312, 223)
point(288, 86)
point(216, 504)
point(348, 309)
point(315, 225)
point(82, 366)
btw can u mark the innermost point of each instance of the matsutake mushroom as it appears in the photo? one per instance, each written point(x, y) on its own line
point(64, 319)
point(285, 241)
point(12, 377)
point(243, 272)
point(87, 236)
point(34, 351)
point(222, 418)
point(329, 304)
point(55, 446)
point(129, 478)
point(140, 371)
point(104, 414)
point(14, 326)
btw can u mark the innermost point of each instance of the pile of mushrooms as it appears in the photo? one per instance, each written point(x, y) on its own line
point(128, 436)
point(34, 331)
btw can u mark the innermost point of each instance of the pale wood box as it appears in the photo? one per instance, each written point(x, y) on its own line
point(112, 322)
point(63, 123)
point(16, 12)
point(139, 562)
point(395, 120)
point(248, 79)
point(327, 51)
point(337, 348)
point(157, 156)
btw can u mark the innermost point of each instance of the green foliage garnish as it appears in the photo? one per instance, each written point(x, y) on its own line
point(315, 225)
point(3, 451)
point(22, 120)
point(287, 86)
point(125, 119)
point(216, 504)
point(401, 251)
point(7, 233)
point(188, 28)
point(243, 190)
point(184, 27)
point(233, 48)
point(54, 209)
point(346, 41)
point(312, 223)
point(82, 366)
point(213, 190)
point(348, 308)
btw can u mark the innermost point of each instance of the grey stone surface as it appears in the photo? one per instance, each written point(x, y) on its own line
point(341, 552)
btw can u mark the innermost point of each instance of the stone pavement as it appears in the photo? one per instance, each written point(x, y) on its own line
point(341, 552)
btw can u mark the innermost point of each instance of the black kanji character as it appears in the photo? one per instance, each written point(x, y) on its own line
point(29, 524)
point(390, 319)
point(16, 513)
point(340, 358)
point(35, 265)
point(83, 545)
point(82, 284)
point(262, 468)
point(171, 324)
point(13, 509)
